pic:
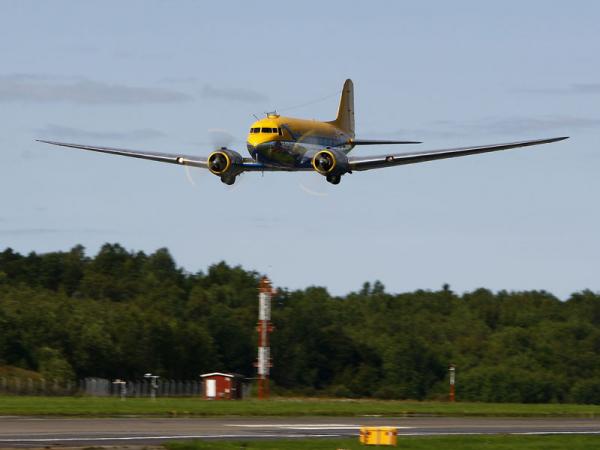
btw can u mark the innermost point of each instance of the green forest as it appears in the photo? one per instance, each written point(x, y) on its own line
point(121, 314)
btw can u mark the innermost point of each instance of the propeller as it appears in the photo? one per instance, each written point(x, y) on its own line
point(218, 162)
point(220, 138)
point(324, 162)
point(217, 138)
point(312, 183)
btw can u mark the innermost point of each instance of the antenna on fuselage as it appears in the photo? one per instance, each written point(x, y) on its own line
point(256, 117)
point(311, 102)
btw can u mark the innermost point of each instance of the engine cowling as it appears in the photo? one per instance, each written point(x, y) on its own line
point(330, 162)
point(224, 162)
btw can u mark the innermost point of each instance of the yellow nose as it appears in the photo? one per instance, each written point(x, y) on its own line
point(260, 138)
point(255, 139)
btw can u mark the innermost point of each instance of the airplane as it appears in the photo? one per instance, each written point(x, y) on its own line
point(277, 143)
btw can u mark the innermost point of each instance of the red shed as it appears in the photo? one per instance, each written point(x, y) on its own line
point(222, 386)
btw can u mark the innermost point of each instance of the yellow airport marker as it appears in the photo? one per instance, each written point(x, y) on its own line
point(379, 436)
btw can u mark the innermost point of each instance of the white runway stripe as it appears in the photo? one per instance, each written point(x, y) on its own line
point(291, 436)
point(475, 433)
point(303, 426)
point(183, 436)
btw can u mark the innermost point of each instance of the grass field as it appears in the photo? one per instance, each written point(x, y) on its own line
point(410, 443)
point(97, 406)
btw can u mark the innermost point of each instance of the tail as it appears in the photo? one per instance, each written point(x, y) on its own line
point(345, 117)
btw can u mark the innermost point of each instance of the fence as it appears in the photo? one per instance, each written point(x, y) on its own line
point(100, 387)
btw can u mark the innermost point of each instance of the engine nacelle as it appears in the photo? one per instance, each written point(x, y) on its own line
point(224, 162)
point(330, 162)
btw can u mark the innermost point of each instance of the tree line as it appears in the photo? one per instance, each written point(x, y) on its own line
point(120, 314)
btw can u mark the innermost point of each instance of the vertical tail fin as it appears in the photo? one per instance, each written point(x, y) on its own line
point(345, 117)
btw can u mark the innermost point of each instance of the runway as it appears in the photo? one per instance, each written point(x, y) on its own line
point(72, 432)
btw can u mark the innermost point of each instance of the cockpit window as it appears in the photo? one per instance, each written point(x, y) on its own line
point(267, 130)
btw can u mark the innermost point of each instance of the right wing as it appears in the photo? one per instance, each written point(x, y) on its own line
point(379, 142)
point(378, 162)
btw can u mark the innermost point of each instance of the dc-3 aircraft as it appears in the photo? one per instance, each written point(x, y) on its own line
point(278, 143)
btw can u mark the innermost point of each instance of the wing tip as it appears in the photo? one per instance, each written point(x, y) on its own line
point(548, 140)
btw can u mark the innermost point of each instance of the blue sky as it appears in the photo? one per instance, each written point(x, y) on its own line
point(159, 75)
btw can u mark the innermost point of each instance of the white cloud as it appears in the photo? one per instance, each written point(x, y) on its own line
point(548, 123)
point(573, 89)
point(233, 94)
point(50, 89)
point(38, 231)
point(59, 131)
point(449, 129)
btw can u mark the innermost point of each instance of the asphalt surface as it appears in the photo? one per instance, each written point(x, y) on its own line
point(72, 432)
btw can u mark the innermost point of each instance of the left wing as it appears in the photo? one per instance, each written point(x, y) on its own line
point(377, 162)
point(172, 158)
point(154, 156)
